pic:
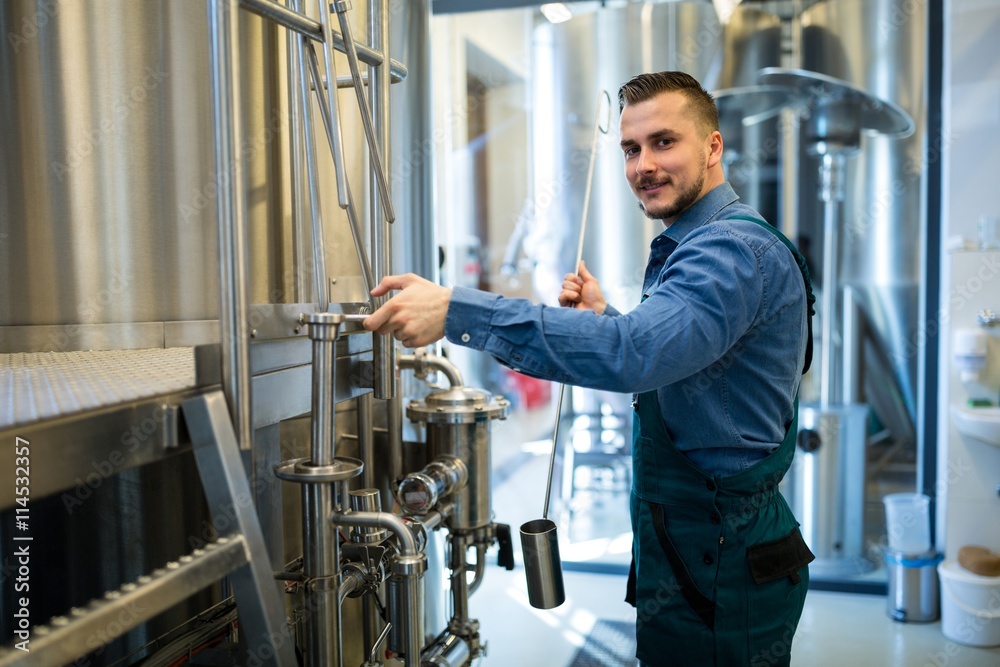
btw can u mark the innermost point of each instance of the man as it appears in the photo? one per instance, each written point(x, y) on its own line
point(714, 353)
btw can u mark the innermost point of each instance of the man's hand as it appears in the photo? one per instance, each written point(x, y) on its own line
point(415, 317)
point(582, 291)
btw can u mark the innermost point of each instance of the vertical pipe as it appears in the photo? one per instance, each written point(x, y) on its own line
point(381, 237)
point(296, 158)
point(321, 549)
point(459, 581)
point(831, 177)
point(223, 37)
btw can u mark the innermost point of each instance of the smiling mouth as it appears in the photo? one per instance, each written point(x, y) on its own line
point(646, 187)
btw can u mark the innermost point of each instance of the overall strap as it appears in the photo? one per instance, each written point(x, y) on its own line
point(803, 269)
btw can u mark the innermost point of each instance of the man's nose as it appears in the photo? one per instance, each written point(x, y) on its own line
point(643, 165)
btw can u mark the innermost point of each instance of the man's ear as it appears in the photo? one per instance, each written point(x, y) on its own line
point(714, 142)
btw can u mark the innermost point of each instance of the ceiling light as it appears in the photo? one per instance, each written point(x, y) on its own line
point(556, 12)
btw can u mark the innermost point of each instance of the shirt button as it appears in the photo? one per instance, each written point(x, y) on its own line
point(710, 485)
point(708, 559)
point(466, 338)
point(714, 518)
point(517, 357)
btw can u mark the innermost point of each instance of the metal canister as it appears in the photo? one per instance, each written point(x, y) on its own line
point(458, 424)
point(913, 586)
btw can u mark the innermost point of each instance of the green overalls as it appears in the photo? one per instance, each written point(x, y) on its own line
point(719, 567)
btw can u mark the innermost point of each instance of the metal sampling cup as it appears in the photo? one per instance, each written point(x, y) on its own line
point(542, 567)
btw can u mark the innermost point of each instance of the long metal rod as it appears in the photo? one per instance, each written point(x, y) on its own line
point(320, 286)
point(374, 149)
point(332, 128)
point(332, 110)
point(223, 37)
point(302, 24)
point(384, 347)
point(296, 158)
point(598, 128)
point(831, 184)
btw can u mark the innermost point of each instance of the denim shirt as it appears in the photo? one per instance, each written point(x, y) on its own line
point(721, 335)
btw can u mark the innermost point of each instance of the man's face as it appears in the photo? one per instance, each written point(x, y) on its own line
point(666, 155)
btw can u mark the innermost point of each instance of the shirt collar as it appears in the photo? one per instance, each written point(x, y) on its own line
point(700, 213)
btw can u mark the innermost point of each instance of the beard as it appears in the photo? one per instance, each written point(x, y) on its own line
point(682, 202)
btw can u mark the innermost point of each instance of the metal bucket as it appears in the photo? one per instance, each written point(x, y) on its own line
point(913, 586)
point(542, 567)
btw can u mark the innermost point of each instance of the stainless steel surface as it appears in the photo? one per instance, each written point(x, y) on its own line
point(321, 565)
point(367, 500)
point(452, 651)
point(295, 20)
point(228, 494)
point(331, 114)
point(552, 454)
point(40, 386)
point(458, 425)
point(405, 597)
point(323, 330)
point(392, 522)
point(66, 638)
point(913, 596)
point(542, 565)
point(419, 492)
point(421, 362)
point(825, 488)
point(234, 301)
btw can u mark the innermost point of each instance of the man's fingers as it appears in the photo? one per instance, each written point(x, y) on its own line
point(583, 272)
point(390, 283)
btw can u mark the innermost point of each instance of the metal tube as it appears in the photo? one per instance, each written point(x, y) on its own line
point(394, 426)
point(335, 139)
point(480, 569)
point(433, 362)
point(374, 148)
point(323, 330)
point(305, 26)
point(320, 564)
point(296, 158)
point(366, 439)
point(405, 593)
point(384, 352)
point(223, 37)
point(332, 110)
point(391, 522)
point(831, 192)
point(320, 284)
point(459, 582)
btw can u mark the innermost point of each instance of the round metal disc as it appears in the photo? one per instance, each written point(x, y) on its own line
point(832, 101)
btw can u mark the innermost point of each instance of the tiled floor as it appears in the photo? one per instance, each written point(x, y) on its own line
point(836, 629)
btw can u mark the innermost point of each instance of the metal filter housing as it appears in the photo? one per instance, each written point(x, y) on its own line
point(458, 425)
point(458, 405)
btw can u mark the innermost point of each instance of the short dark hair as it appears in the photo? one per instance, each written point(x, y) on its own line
point(647, 86)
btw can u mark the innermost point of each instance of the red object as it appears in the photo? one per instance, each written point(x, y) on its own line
point(531, 392)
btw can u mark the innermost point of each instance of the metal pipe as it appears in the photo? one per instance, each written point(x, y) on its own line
point(433, 362)
point(223, 37)
point(366, 439)
point(320, 564)
point(459, 583)
point(394, 425)
point(320, 284)
point(296, 158)
point(831, 192)
point(384, 348)
point(480, 569)
point(323, 330)
point(305, 26)
point(374, 148)
point(391, 522)
point(350, 582)
point(405, 593)
point(335, 139)
point(332, 111)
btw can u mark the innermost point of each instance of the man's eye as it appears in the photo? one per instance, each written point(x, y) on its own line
point(665, 142)
point(629, 152)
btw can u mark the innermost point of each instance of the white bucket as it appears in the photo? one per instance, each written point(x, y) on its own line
point(908, 522)
point(970, 606)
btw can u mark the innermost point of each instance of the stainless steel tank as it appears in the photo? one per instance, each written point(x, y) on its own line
point(107, 179)
point(598, 51)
